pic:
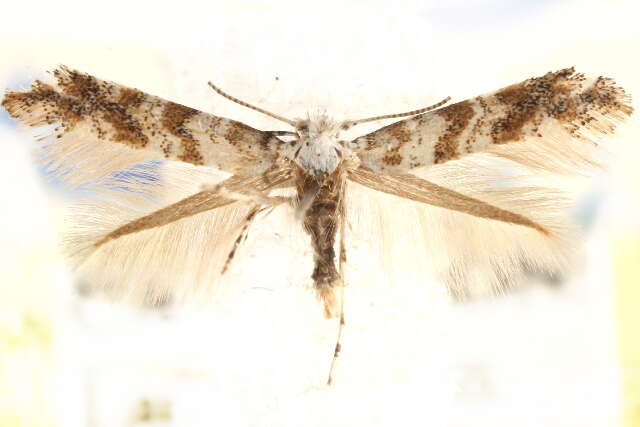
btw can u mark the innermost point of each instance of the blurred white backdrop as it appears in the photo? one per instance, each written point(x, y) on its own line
point(259, 356)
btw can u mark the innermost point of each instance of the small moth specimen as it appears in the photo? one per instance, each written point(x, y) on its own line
point(544, 125)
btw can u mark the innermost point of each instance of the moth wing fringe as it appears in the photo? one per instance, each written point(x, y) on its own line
point(75, 159)
point(74, 155)
point(574, 146)
point(183, 258)
point(471, 255)
point(558, 151)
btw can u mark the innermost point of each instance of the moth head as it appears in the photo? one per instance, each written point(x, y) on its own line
point(317, 126)
point(318, 148)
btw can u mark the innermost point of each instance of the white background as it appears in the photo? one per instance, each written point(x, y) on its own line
point(542, 356)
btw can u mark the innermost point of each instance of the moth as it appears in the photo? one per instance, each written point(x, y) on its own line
point(108, 137)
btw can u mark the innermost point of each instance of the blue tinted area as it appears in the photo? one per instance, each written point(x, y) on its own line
point(142, 174)
point(588, 207)
point(489, 14)
point(5, 120)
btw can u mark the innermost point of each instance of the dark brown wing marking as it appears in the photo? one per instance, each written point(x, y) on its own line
point(101, 112)
point(561, 104)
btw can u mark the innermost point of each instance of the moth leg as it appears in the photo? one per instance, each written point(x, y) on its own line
point(241, 236)
point(259, 196)
point(271, 203)
point(341, 264)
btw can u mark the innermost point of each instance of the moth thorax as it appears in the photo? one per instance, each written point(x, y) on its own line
point(318, 148)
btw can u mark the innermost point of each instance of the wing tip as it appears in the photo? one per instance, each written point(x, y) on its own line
point(607, 104)
point(23, 107)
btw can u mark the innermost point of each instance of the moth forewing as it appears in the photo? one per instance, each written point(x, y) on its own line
point(533, 123)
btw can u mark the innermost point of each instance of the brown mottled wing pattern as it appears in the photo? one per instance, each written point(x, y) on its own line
point(92, 110)
point(138, 222)
point(559, 105)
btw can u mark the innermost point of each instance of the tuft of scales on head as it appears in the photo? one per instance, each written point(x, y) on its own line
point(318, 148)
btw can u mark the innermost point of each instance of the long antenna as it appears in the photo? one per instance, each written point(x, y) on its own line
point(392, 116)
point(246, 104)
